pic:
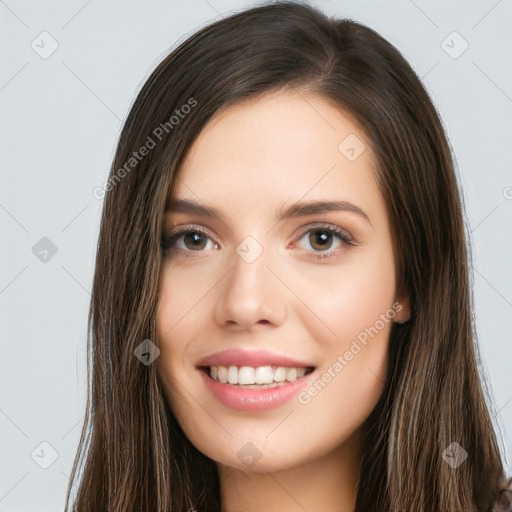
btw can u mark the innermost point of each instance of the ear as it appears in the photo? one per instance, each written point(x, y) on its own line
point(403, 308)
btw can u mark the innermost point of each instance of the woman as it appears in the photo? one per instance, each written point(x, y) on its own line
point(281, 313)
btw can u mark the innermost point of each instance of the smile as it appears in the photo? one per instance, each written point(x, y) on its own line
point(256, 376)
point(260, 388)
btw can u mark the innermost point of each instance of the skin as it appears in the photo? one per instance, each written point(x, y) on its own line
point(250, 162)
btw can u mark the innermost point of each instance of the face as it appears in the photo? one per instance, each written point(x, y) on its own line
point(262, 290)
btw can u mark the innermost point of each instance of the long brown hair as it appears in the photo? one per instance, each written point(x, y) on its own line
point(133, 456)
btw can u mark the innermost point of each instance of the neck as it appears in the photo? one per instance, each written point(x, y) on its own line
point(325, 483)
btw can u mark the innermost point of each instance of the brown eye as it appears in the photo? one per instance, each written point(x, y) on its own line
point(194, 240)
point(320, 239)
point(187, 241)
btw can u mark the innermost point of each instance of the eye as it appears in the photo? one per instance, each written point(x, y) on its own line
point(320, 238)
point(188, 240)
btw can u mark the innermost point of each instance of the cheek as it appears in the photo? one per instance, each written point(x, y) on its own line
point(349, 298)
point(356, 311)
point(183, 310)
point(174, 310)
point(183, 305)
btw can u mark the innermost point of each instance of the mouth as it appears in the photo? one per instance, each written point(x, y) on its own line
point(256, 377)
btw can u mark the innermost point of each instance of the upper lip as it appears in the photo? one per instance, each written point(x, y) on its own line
point(241, 357)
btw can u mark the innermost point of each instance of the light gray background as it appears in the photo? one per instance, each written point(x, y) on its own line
point(60, 120)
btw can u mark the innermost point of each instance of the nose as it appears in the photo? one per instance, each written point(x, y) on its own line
point(251, 294)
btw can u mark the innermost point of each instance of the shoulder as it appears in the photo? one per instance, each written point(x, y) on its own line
point(503, 502)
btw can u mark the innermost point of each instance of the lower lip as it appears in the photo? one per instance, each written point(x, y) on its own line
point(252, 399)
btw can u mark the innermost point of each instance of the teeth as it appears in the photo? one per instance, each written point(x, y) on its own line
point(233, 375)
point(245, 375)
point(291, 375)
point(280, 374)
point(248, 375)
point(263, 375)
point(222, 374)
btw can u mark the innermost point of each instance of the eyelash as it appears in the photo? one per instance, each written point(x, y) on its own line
point(168, 242)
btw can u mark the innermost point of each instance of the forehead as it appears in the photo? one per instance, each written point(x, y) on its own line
point(279, 147)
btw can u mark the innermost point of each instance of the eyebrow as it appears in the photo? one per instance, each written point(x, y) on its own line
point(299, 209)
